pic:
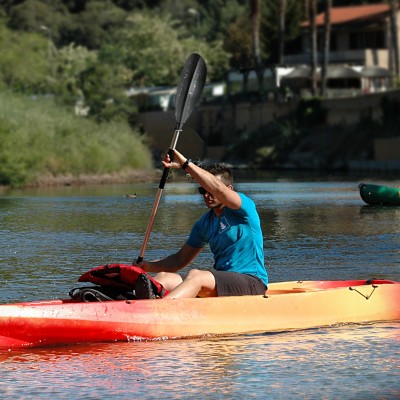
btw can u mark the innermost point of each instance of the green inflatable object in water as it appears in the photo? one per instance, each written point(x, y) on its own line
point(379, 194)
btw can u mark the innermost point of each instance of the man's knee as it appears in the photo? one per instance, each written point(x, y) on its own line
point(204, 281)
point(162, 275)
point(168, 279)
point(195, 273)
point(199, 275)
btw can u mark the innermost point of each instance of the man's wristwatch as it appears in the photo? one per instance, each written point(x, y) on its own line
point(186, 163)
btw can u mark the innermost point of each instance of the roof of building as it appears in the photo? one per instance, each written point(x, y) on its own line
point(334, 71)
point(375, 72)
point(342, 15)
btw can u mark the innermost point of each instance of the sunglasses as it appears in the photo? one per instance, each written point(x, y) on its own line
point(201, 190)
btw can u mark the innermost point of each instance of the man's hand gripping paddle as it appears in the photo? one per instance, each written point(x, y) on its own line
point(191, 84)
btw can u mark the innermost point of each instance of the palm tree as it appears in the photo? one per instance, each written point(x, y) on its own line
point(255, 18)
point(325, 54)
point(395, 41)
point(312, 15)
point(281, 31)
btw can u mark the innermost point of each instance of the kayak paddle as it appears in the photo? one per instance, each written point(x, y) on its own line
point(191, 84)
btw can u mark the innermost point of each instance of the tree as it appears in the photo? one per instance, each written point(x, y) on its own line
point(281, 31)
point(313, 44)
point(327, 34)
point(70, 63)
point(154, 50)
point(255, 21)
point(238, 43)
point(393, 4)
point(217, 15)
point(102, 90)
point(32, 15)
point(93, 26)
point(280, 27)
point(24, 63)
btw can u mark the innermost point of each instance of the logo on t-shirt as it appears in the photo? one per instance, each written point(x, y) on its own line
point(223, 224)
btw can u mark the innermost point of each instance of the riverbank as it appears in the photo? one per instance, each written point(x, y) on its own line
point(127, 176)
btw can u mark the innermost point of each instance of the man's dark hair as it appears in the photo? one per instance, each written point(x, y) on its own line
point(222, 170)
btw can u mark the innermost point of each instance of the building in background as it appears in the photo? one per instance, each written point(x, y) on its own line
point(361, 53)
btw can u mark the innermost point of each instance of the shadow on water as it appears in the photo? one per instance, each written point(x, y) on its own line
point(370, 209)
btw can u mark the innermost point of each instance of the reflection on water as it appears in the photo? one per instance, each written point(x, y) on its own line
point(340, 362)
point(313, 230)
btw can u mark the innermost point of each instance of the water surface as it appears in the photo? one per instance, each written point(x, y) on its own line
point(314, 229)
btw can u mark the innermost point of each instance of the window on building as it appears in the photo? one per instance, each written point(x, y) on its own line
point(321, 42)
point(367, 40)
point(333, 42)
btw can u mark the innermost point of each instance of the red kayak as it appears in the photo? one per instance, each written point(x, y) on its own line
point(285, 306)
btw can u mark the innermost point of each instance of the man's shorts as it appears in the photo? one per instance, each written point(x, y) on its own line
point(237, 284)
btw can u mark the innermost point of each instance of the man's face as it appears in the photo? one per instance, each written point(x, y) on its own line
point(209, 200)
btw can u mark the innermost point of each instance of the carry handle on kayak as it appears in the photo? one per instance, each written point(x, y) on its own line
point(191, 84)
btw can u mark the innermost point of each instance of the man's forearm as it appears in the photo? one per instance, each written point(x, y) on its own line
point(168, 264)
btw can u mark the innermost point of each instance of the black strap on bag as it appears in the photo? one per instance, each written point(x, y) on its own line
point(99, 293)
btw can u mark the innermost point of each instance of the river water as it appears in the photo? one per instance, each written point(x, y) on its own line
point(315, 228)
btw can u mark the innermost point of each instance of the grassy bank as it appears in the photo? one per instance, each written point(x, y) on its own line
point(39, 141)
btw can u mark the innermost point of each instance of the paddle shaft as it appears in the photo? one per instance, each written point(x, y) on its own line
point(158, 196)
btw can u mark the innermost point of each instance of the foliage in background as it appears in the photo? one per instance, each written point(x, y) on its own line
point(91, 51)
point(38, 138)
point(154, 48)
point(94, 52)
point(310, 113)
point(23, 61)
point(293, 19)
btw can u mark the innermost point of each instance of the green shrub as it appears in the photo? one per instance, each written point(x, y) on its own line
point(310, 112)
point(38, 138)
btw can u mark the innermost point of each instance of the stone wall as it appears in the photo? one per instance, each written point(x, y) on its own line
point(387, 149)
point(227, 121)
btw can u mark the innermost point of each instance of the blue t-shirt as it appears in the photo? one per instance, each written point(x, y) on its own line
point(235, 239)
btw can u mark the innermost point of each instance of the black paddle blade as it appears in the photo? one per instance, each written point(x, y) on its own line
point(191, 84)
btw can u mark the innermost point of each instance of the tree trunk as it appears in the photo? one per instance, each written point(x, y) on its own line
point(255, 18)
point(313, 44)
point(394, 41)
point(281, 31)
point(325, 56)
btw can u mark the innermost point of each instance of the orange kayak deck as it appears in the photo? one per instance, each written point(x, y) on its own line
point(285, 306)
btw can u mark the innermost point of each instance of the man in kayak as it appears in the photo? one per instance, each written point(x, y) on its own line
point(231, 228)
